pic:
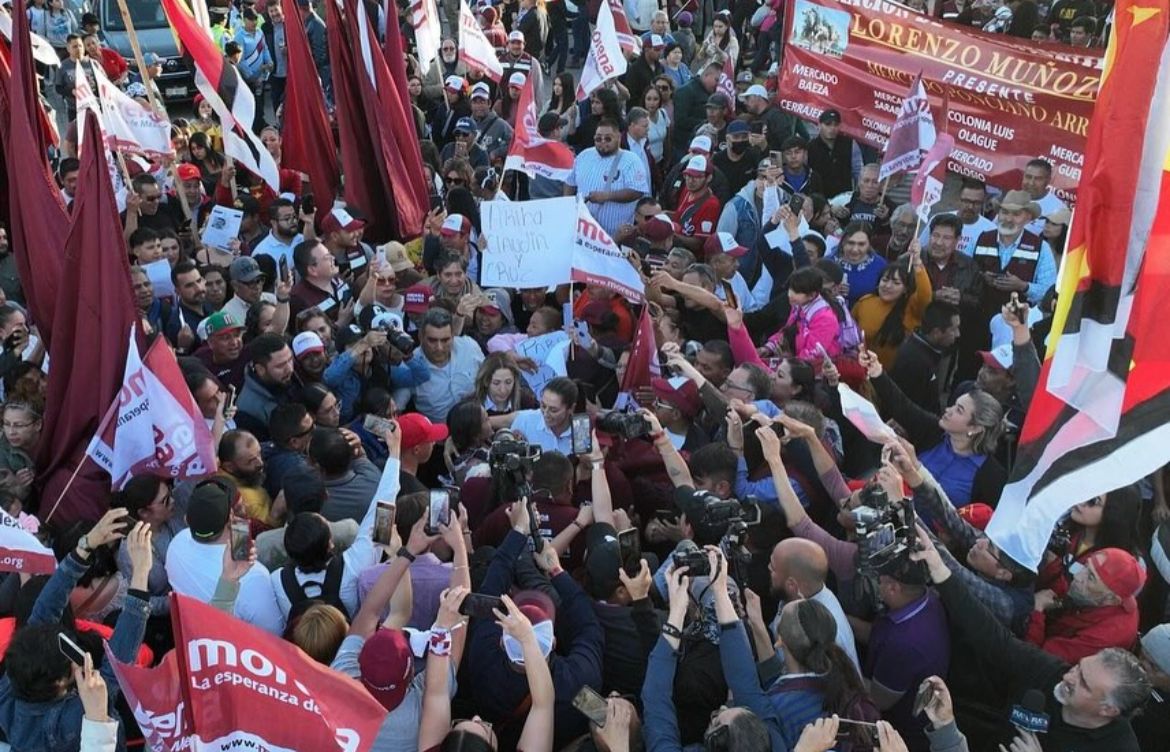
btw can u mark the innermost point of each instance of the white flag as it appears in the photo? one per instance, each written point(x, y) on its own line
point(474, 48)
point(912, 133)
point(424, 17)
point(87, 100)
point(128, 125)
point(597, 259)
point(605, 60)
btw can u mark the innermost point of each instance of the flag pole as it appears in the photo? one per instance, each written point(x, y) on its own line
point(154, 105)
point(97, 94)
point(65, 490)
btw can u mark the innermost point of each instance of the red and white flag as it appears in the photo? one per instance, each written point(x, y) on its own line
point(597, 260)
point(606, 58)
point(424, 17)
point(474, 48)
point(154, 425)
point(20, 551)
point(532, 153)
point(726, 82)
point(631, 42)
point(912, 134)
point(864, 416)
point(230, 685)
point(221, 84)
point(932, 173)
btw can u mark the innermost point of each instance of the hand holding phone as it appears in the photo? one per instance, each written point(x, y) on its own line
point(480, 606)
point(582, 435)
point(591, 705)
point(438, 512)
point(70, 649)
point(241, 540)
point(384, 522)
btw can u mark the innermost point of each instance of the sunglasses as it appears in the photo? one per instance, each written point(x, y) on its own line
point(602, 139)
point(456, 180)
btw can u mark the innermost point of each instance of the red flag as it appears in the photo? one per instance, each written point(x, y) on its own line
point(95, 309)
point(932, 173)
point(231, 685)
point(414, 187)
point(631, 42)
point(1097, 420)
point(154, 425)
point(532, 153)
point(726, 82)
point(376, 177)
point(643, 363)
point(307, 136)
point(39, 222)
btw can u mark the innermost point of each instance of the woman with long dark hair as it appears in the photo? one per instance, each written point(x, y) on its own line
point(1107, 521)
point(818, 678)
point(603, 104)
point(895, 310)
point(209, 161)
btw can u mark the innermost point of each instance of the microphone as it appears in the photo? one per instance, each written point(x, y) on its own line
point(1029, 715)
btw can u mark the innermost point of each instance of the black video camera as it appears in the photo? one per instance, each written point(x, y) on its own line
point(694, 560)
point(626, 425)
point(886, 530)
point(395, 337)
point(509, 454)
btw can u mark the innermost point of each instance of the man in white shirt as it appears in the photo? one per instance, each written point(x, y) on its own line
point(799, 567)
point(972, 196)
point(286, 223)
point(1037, 175)
point(723, 254)
point(452, 361)
point(550, 427)
point(610, 179)
point(195, 557)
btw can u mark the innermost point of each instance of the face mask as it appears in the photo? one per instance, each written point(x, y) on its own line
point(737, 147)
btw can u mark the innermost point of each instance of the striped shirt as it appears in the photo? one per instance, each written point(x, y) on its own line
point(615, 172)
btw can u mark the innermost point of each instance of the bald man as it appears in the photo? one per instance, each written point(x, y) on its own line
point(798, 568)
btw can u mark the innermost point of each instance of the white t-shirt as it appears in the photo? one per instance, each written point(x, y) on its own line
point(277, 249)
point(1050, 203)
point(193, 569)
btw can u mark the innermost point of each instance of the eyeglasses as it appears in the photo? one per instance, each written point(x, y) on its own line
point(664, 87)
point(252, 283)
point(151, 199)
point(456, 180)
point(738, 387)
point(18, 426)
point(602, 139)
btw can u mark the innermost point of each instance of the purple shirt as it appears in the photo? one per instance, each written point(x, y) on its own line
point(429, 577)
point(905, 647)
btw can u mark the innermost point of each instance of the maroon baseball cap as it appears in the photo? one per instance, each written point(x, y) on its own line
point(387, 666)
point(417, 298)
point(680, 393)
point(659, 228)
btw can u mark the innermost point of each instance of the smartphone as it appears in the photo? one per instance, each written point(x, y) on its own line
point(825, 359)
point(480, 606)
point(384, 522)
point(582, 435)
point(70, 649)
point(438, 512)
point(924, 697)
point(591, 705)
point(11, 340)
point(436, 201)
point(583, 333)
point(630, 546)
point(241, 538)
point(776, 157)
point(283, 265)
point(757, 127)
point(307, 205)
point(231, 398)
point(376, 425)
point(796, 203)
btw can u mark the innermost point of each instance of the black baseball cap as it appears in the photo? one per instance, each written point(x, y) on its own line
point(830, 116)
point(210, 508)
point(548, 121)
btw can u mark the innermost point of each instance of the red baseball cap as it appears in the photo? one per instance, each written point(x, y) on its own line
point(723, 242)
point(418, 429)
point(679, 392)
point(455, 224)
point(188, 172)
point(1121, 573)
point(659, 228)
point(339, 219)
point(387, 666)
point(977, 514)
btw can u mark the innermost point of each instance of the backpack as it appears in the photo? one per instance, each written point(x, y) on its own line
point(330, 587)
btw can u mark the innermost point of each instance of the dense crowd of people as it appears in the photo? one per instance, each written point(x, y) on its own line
point(710, 556)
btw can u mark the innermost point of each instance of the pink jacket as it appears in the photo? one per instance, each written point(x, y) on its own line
point(815, 324)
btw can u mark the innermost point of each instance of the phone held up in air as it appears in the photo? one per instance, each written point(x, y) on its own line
point(582, 435)
point(70, 649)
point(241, 539)
point(591, 705)
point(630, 546)
point(384, 522)
point(480, 606)
point(438, 512)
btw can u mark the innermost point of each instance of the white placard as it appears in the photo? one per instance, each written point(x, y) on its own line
point(223, 226)
point(530, 243)
point(549, 352)
point(159, 273)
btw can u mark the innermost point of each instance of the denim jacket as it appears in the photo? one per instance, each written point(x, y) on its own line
point(56, 725)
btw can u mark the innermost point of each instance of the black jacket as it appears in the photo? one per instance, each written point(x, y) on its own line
point(915, 371)
point(1021, 667)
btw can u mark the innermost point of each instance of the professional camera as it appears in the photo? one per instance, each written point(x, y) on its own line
point(695, 560)
point(509, 454)
point(626, 425)
point(391, 324)
point(885, 531)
